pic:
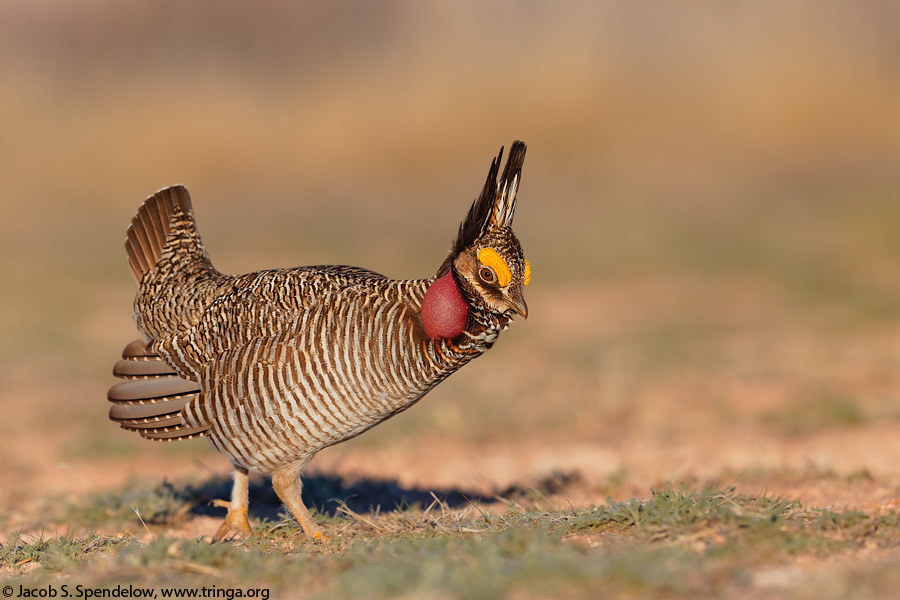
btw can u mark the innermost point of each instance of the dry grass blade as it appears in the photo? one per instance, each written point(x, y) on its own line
point(346, 510)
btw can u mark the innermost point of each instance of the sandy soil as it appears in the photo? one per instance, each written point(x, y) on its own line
point(743, 420)
point(848, 468)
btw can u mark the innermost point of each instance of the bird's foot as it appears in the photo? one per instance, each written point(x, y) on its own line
point(310, 528)
point(235, 522)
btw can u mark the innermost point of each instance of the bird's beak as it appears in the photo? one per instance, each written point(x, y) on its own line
point(519, 306)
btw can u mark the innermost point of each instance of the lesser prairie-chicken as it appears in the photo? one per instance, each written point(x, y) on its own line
point(273, 366)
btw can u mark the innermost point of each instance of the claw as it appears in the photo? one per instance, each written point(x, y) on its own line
point(235, 522)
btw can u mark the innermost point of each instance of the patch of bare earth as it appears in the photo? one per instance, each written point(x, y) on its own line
point(745, 405)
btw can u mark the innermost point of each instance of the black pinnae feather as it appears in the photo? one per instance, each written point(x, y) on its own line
point(496, 205)
point(494, 208)
point(479, 214)
point(505, 202)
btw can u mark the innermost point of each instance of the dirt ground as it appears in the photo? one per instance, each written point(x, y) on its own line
point(743, 423)
point(855, 469)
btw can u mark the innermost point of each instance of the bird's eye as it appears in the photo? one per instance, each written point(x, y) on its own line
point(486, 274)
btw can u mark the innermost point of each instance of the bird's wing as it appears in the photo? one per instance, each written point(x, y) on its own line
point(151, 397)
point(312, 384)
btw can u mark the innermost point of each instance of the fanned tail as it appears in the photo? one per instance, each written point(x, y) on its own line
point(165, 222)
point(150, 399)
point(175, 277)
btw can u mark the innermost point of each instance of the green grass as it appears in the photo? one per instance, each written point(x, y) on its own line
point(679, 541)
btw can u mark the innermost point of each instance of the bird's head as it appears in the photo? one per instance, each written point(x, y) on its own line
point(493, 274)
point(487, 262)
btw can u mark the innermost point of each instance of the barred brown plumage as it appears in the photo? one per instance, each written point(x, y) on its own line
point(275, 365)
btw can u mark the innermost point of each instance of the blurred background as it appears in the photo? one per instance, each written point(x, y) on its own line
point(710, 205)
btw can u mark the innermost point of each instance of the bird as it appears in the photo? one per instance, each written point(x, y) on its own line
point(275, 365)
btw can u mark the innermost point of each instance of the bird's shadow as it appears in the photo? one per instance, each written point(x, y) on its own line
point(326, 493)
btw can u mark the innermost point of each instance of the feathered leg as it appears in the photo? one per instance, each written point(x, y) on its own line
point(286, 482)
point(236, 519)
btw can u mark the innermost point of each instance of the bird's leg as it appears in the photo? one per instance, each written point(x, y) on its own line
point(286, 482)
point(236, 519)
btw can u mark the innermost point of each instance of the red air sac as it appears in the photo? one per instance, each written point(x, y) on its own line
point(444, 312)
